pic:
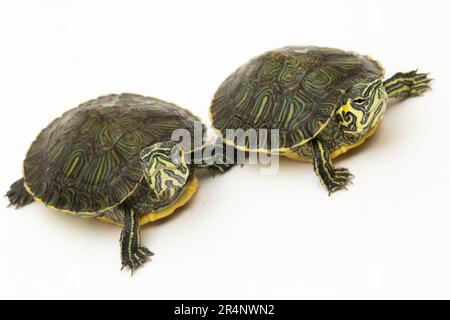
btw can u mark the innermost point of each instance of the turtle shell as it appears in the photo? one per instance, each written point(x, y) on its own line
point(294, 89)
point(87, 161)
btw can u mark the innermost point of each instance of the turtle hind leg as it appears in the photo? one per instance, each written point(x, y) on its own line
point(18, 195)
point(332, 178)
point(132, 253)
point(407, 84)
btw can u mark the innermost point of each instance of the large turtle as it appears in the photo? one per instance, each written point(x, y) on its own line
point(322, 101)
point(112, 158)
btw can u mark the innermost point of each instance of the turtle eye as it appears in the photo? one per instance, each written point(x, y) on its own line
point(359, 100)
point(144, 160)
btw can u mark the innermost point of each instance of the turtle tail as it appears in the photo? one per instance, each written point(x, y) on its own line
point(18, 195)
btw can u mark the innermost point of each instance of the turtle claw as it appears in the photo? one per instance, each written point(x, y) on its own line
point(339, 181)
point(219, 169)
point(137, 259)
point(408, 84)
point(17, 195)
point(421, 84)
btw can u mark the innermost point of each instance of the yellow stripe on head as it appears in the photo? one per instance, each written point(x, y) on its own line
point(165, 169)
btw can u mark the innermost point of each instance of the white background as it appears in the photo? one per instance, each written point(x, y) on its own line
point(244, 235)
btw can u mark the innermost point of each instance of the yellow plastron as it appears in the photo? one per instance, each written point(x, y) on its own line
point(154, 216)
point(337, 152)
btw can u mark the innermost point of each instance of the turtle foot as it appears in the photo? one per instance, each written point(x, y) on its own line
point(18, 196)
point(339, 180)
point(407, 84)
point(420, 83)
point(136, 259)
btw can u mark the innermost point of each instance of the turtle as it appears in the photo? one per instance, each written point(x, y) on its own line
point(321, 102)
point(113, 158)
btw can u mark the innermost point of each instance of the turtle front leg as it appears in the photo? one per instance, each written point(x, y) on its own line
point(132, 253)
point(332, 178)
point(217, 158)
point(18, 195)
point(407, 84)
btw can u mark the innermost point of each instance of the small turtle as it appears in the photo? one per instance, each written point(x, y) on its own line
point(322, 101)
point(112, 158)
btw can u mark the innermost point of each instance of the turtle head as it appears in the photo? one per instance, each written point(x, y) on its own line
point(362, 107)
point(165, 169)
